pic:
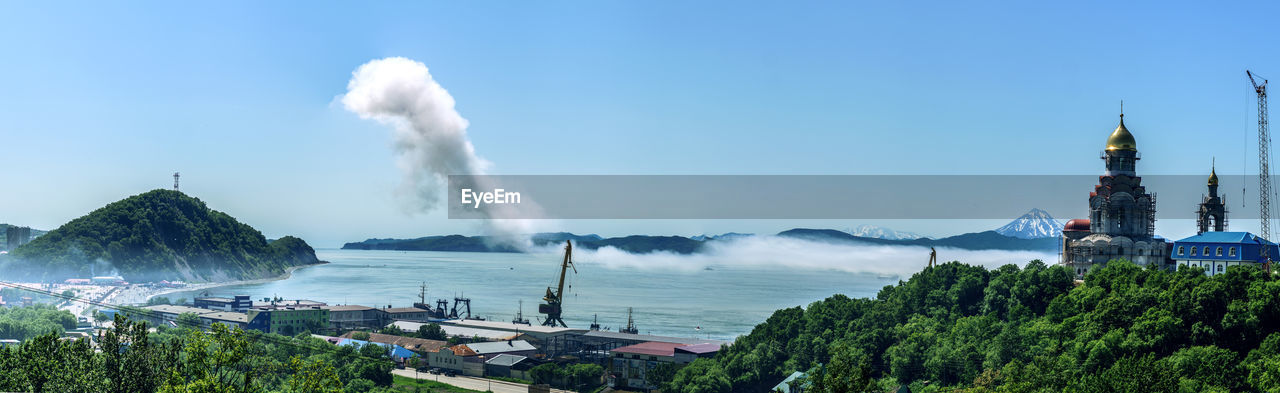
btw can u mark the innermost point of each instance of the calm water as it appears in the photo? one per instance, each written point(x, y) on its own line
point(725, 302)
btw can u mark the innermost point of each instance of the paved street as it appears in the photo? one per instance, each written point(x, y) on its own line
point(473, 383)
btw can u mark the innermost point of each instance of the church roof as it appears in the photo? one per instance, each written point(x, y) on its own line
point(1077, 225)
point(1121, 139)
point(1225, 237)
point(1213, 177)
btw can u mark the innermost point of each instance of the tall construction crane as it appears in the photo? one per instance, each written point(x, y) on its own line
point(1264, 170)
point(554, 299)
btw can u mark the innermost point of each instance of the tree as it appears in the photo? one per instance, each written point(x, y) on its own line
point(313, 377)
point(848, 372)
point(362, 336)
point(661, 375)
point(548, 373)
point(392, 330)
point(701, 376)
point(432, 331)
point(583, 376)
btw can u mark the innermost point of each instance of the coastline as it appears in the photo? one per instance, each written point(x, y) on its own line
point(146, 293)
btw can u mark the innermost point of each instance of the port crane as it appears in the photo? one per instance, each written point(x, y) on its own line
point(552, 308)
point(1264, 169)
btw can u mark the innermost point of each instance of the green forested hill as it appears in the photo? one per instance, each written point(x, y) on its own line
point(961, 328)
point(160, 234)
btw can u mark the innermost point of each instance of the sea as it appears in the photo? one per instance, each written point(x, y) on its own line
point(719, 299)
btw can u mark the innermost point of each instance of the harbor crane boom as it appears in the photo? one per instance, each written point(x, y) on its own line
point(553, 300)
point(1264, 169)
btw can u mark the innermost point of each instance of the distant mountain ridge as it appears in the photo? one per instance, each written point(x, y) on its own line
point(725, 236)
point(986, 240)
point(1035, 224)
point(642, 244)
point(883, 233)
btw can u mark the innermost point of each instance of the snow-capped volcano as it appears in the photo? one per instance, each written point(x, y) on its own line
point(882, 233)
point(1033, 225)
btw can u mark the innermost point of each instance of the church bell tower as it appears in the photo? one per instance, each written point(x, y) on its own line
point(1212, 215)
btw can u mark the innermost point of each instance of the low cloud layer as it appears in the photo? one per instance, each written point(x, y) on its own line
point(774, 251)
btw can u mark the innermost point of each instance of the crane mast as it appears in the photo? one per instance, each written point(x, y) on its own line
point(1264, 170)
point(553, 299)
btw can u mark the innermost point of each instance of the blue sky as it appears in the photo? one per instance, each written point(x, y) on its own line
point(102, 101)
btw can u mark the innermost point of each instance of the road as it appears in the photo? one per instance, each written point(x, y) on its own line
point(473, 383)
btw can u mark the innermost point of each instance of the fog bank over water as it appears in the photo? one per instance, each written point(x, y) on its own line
point(777, 251)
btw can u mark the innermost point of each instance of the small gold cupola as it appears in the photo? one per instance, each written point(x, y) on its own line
point(1213, 176)
point(1121, 139)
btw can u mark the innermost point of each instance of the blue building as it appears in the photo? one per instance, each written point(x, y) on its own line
point(397, 353)
point(1216, 251)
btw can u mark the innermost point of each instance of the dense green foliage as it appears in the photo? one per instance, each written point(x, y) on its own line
point(161, 234)
point(1126, 329)
point(432, 331)
point(187, 360)
point(578, 377)
point(21, 323)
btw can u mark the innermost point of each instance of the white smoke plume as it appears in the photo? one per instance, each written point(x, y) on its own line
point(430, 135)
point(777, 251)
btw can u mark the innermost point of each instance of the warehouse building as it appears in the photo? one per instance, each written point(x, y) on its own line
point(346, 317)
point(238, 303)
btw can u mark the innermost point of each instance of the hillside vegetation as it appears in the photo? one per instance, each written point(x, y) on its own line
point(157, 235)
point(964, 328)
point(134, 357)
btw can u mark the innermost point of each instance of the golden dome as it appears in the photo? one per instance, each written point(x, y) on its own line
point(1213, 177)
point(1121, 139)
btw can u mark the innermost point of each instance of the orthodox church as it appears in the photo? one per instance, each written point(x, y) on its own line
point(1122, 215)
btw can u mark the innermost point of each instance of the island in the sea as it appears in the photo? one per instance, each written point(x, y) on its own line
point(158, 235)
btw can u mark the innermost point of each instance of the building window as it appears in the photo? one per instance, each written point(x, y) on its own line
point(1217, 251)
point(1181, 250)
point(1205, 250)
point(1231, 251)
point(1193, 251)
point(1219, 268)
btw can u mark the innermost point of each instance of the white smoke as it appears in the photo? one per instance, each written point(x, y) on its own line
point(430, 135)
point(786, 252)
